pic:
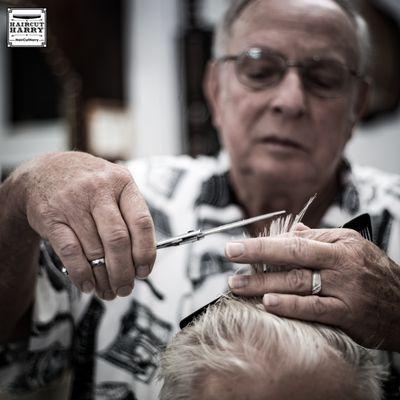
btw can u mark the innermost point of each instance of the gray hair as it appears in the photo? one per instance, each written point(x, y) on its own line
point(225, 342)
point(224, 28)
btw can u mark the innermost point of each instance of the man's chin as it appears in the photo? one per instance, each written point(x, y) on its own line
point(279, 172)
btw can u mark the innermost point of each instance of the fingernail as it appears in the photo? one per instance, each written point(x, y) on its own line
point(124, 291)
point(234, 249)
point(87, 287)
point(142, 271)
point(237, 281)
point(270, 300)
point(108, 295)
point(300, 225)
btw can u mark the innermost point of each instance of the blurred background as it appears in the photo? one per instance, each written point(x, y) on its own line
point(123, 79)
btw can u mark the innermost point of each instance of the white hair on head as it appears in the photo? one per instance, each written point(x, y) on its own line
point(223, 30)
point(235, 338)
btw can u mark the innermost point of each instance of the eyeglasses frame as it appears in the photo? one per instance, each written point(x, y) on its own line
point(288, 64)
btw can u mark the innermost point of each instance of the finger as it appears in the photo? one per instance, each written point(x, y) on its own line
point(103, 287)
point(68, 248)
point(328, 235)
point(296, 281)
point(86, 230)
point(282, 250)
point(141, 228)
point(326, 310)
point(301, 227)
point(116, 242)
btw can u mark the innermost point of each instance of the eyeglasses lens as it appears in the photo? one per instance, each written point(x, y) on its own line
point(322, 77)
point(258, 70)
point(325, 78)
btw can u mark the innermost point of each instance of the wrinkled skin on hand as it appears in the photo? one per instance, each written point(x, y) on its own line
point(360, 284)
point(89, 208)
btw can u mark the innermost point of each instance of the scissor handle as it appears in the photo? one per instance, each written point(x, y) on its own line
point(190, 236)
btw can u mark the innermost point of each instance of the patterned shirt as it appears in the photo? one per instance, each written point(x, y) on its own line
point(113, 347)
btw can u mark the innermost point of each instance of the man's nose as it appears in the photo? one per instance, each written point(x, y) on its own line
point(289, 97)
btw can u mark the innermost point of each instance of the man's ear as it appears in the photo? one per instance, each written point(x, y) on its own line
point(361, 100)
point(360, 105)
point(211, 90)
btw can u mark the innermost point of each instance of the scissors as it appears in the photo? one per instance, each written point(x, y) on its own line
point(195, 235)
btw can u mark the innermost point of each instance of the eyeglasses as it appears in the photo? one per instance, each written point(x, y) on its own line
point(259, 68)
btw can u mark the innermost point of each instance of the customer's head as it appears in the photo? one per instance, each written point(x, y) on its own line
point(237, 351)
point(287, 87)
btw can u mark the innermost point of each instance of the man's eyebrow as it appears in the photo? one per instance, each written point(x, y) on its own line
point(331, 52)
point(267, 48)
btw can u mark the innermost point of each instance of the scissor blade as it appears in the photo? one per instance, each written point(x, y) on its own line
point(244, 222)
point(193, 236)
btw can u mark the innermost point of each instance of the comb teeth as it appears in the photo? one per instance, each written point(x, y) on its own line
point(366, 234)
point(361, 224)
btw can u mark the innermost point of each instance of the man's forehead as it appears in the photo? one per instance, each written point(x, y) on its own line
point(322, 18)
point(294, 7)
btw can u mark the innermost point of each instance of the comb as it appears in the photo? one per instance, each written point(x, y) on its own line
point(361, 224)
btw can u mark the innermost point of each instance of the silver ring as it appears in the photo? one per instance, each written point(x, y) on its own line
point(98, 262)
point(316, 283)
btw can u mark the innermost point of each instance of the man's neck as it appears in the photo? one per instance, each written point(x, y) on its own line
point(260, 197)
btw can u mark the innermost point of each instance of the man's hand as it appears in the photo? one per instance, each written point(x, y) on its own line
point(360, 284)
point(89, 208)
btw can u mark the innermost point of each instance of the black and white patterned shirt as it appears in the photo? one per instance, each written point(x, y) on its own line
point(113, 347)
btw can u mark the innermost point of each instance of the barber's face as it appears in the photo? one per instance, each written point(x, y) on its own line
point(291, 131)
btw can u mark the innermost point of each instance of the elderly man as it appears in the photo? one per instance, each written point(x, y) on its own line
point(286, 88)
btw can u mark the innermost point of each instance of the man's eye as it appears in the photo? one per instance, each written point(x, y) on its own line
point(325, 78)
point(325, 74)
point(261, 71)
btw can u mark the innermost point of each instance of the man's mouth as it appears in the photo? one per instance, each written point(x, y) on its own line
point(281, 142)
